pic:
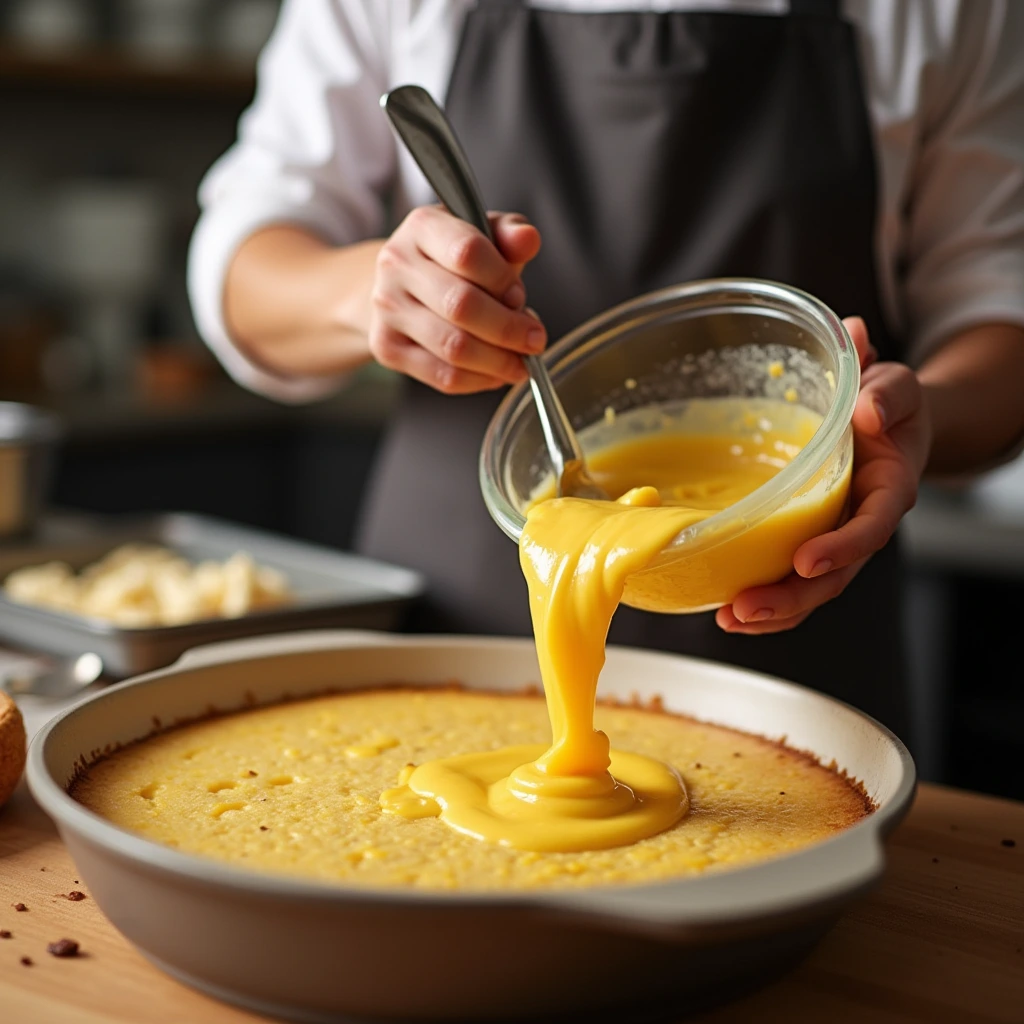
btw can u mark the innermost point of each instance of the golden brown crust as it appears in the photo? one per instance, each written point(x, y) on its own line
point(12, 747)
point(655, 705)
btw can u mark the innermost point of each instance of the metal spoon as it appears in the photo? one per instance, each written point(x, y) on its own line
point(64, 679)
point(430, 139)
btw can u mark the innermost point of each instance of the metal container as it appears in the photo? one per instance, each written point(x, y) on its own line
point(313, 951)
point(331, 590)
point(28, 437)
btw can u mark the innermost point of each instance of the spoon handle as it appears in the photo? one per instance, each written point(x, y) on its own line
point(431, 140)
point(433, 144)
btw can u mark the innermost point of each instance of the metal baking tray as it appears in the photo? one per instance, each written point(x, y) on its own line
point(332, 589)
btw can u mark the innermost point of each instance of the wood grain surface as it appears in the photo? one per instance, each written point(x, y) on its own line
point(939, 942)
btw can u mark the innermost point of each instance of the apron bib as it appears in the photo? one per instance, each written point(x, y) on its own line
point(651, 148)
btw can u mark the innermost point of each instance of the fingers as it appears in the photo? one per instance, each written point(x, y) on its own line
point(460, 248)
point(886, 489)
point(781, 606)
point(888, 459)
point(726, 620)
point(393, 349)
point(448, 307)
point(517, 240)
point(454, 346)
point(890, 425)
point(470, 309)
point(891, 433)
point(858, 331)
point(890, 394)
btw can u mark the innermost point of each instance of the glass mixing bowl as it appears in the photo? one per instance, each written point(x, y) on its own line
point(635, 369)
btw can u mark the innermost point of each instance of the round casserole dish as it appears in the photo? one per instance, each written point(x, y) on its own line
point(311, 951)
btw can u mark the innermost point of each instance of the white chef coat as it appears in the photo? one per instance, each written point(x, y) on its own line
point(945, 93)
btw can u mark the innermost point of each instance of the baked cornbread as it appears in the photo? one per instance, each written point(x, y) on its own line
point(12, 747)
point(294, 788)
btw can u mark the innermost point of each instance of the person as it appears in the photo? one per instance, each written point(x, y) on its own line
point(869, 152)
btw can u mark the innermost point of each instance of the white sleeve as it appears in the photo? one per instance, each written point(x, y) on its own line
point(964, 242)
point(313, 150)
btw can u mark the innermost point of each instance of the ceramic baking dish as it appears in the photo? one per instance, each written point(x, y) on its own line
point(311, 951)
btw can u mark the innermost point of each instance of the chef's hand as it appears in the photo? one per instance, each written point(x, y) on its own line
point(448, 306)
point(892, 436)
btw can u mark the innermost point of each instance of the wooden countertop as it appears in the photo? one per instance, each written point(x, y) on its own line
point(939, 942)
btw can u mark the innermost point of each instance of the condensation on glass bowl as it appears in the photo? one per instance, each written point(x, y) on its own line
point(636, 368)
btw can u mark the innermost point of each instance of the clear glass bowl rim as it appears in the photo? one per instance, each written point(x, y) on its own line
point(757, 505)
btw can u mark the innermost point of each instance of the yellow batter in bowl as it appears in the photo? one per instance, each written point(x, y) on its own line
point(294, 788)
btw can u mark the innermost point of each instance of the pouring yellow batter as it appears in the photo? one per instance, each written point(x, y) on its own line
point(577, 556)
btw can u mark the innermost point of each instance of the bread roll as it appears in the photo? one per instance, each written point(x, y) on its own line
point(12, 746)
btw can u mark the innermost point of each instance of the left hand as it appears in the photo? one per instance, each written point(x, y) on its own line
point(892, 437)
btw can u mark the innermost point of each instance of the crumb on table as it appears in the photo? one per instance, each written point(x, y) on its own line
point(63, 948)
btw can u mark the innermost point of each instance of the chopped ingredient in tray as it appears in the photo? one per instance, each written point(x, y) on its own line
point(146, 585)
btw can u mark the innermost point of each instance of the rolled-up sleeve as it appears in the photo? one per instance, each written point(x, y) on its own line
point(964, 241)
point(313, 150)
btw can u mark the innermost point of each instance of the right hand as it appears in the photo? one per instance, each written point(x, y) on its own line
point(448, 305)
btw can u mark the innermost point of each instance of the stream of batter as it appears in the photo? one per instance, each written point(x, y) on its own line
point(576, 555)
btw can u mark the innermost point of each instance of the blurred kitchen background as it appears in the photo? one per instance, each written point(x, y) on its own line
point(110, 112)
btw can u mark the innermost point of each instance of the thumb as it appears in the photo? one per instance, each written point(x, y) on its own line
point(858, 331)
point(890, 394)
point(515, 237)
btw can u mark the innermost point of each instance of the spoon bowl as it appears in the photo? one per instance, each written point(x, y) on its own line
point(63, 679)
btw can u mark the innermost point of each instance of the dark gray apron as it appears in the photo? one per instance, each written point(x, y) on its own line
point(651, 148)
